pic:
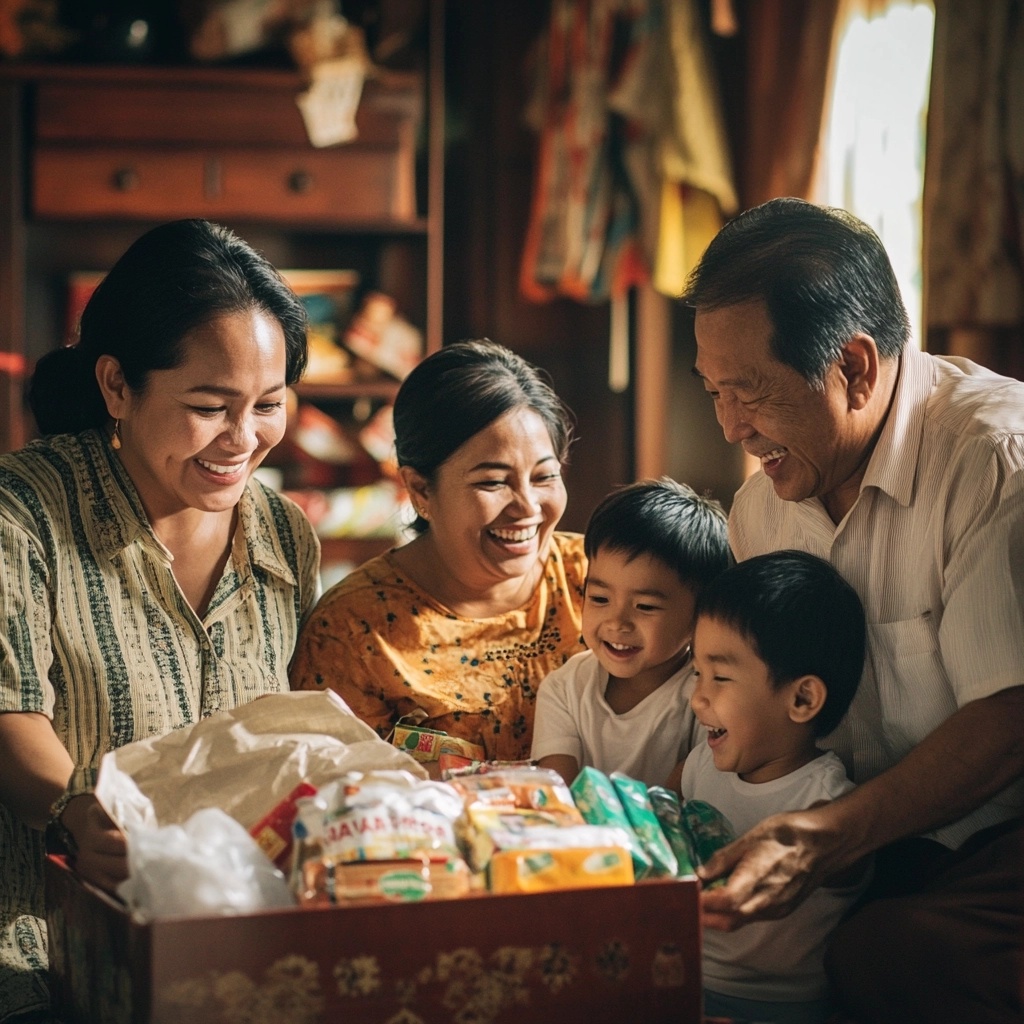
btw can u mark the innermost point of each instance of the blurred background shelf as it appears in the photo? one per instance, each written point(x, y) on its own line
point(383, 389)
point(92, 156)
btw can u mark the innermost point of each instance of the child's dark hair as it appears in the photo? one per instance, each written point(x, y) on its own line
point(668, 521)
point(801, 617)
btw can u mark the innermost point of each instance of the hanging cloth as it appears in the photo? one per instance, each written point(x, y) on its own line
point(634, 174)
point(582, 235)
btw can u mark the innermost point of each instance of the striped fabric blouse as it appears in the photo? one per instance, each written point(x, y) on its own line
point(96, 634)
point(934, 546)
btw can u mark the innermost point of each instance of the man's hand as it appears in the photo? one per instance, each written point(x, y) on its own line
point(102, 856)
point(771, 869)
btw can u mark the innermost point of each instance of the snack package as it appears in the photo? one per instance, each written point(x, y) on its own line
point(597, 801)
point(377, 816)
point(668, 809)
point(529, 788)
point(430, 744)
point(393, 881)
point(533, 851)
point(453, 765)
point(633, 794)
point(708, 827)
point(547, 868)
point(273, 832)
point(484, 830)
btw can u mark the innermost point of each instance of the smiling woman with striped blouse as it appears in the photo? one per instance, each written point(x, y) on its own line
point(147, 581)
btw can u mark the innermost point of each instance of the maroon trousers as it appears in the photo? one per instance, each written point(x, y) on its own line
point(939, 936)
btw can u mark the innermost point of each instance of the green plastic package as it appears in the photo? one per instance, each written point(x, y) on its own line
point(708, 827)
point(669, 811)
point(633, 794)
point(597, 801)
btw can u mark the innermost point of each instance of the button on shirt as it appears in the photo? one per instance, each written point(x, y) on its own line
point(934, 546)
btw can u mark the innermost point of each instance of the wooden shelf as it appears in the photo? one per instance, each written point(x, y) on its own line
point(353, 549)
point(193, 74)
point(325, 391)
point(91, 155)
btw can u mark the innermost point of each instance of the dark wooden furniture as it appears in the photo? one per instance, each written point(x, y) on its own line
point(92, 156)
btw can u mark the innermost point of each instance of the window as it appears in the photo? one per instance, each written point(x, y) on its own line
point(874, 137)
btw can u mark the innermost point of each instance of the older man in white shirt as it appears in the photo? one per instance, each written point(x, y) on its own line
point(906, 471)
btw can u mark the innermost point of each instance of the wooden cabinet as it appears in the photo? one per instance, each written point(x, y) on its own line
point(90, 157)
point(219, 147)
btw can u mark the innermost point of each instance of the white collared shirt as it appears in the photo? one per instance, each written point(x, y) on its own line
point(934, 546)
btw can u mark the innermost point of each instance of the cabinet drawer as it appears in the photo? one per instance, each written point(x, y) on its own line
point(108, 182)
point(148, 112)
point(351, 184)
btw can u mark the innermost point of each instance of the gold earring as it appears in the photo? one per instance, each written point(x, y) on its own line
point(115, 438)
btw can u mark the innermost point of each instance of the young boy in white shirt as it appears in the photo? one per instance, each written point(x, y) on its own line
point(778, 653)
point(623, 705)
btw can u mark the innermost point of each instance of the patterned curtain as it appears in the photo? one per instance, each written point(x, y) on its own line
point(974, 184)
point(789, 56)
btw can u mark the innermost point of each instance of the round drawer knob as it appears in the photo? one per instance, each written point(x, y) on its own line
point(126, 179)
point(300, 182)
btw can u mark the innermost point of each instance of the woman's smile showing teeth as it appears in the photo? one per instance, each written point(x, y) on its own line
point(515, 536)
point(221, 469)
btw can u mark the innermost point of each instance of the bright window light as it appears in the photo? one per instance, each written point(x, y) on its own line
point(874, 140)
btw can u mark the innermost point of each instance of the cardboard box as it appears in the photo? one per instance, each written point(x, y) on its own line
point(623, 954)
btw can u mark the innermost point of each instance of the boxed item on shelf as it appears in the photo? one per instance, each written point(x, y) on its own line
point(328, 298)
point(384, 338)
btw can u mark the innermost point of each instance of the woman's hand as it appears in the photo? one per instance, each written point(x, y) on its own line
point(102, 854)
point(772, 869)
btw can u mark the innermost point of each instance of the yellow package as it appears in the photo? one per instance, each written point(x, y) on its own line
point(542, 870)
point(483, 830)
point(429, 744)
point(323, 882)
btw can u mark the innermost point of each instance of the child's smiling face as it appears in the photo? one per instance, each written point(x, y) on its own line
point(750, 722)
point(637, 616)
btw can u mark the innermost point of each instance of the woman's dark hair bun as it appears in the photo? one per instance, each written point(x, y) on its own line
point(61, 395)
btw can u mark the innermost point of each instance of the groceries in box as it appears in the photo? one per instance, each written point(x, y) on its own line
point(321, 794)
point(394, 854)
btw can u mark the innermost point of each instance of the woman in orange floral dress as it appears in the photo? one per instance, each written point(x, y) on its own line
point(459, 626)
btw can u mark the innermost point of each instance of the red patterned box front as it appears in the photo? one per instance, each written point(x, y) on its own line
point(629, 953)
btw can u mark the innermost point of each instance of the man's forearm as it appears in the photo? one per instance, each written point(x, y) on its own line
point(969, 758)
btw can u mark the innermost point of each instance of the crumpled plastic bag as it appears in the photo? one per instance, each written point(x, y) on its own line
point(208, 866)
point(186, 799)
point(244, 761)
